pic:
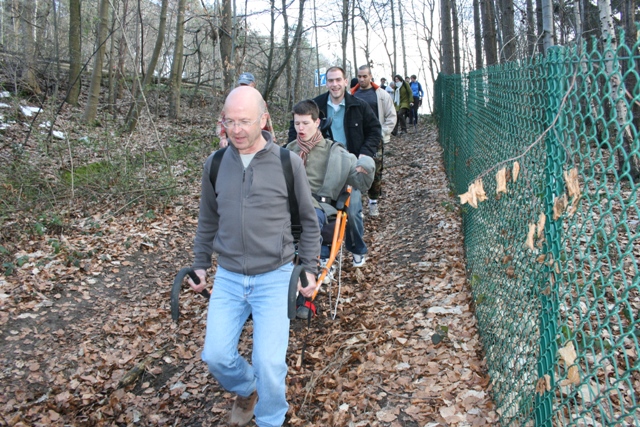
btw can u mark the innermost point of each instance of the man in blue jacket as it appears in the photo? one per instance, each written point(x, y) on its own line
point(416, 88)
point(244, 220)
point(354, 125)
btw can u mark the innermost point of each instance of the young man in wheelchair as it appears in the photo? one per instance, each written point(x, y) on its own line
point(330, 167)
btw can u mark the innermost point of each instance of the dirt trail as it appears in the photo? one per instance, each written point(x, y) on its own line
point(402, 351)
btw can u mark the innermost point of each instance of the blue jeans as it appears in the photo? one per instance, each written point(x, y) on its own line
point(325, 250)
point(355, 225)
point(233, 298)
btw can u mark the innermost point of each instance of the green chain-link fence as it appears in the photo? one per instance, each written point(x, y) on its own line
point(553, 258)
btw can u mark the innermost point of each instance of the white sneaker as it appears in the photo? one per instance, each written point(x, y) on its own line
point(358, 260)
point(373, 208)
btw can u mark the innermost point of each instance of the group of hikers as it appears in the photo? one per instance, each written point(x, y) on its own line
point(245, 218)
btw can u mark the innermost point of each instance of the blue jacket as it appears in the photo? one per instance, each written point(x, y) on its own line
point(416, 88)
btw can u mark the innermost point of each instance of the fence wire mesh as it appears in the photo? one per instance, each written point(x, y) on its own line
point(553, 252)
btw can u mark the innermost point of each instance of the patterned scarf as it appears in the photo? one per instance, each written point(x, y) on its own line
point(306, 147)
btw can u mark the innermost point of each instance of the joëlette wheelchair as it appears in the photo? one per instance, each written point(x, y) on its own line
point(333, 232)
point(297, 305)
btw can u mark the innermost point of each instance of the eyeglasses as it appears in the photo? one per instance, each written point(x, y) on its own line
point(242, 124)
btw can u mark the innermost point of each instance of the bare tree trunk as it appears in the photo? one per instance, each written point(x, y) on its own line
point(447, 42)
point(122, 55)
point(489, 32)
point(631, 81)
point(531, 30)
point(91, 109)
point(477, 33)
point(271, 82)
point(27, 24)
point(315, 32)
point(540, 29)
point(272, 43)
point(42, 14)
point(56, 48)
point(381, 14)
point(110, 65)
point(196, 88)
point(367, 28)
point(393, 38)
point(508, 30)
point(75, 52)
point(353, 35)
point(404, 49)
point(285, 43)
point(298, 78)
point(456, 37)
point(175, 80)
point(226, 45)
point(427, 27)
point(345, 33)
point(547, 24)
point(134, 110)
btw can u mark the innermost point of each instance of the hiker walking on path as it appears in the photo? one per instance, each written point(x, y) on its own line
point(382, 105)
point(354, 125)
point(403, 101)
point(241, 220)
point(416, 90)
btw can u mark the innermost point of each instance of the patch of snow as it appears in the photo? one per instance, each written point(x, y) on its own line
point(57, 134)
point(3, 105)
point(5, 94)
point(30, 111)
point(442, 310)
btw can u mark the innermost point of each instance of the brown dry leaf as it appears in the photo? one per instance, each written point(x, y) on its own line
point(516, 171)
point(573, 375)
point(569, 356)
point(543, 384)
point(449, 414)
point(559, 206)
point(480, 194)
point(541, 222)
point(572, 183)
point(511, 271)
point(474, 194)
point(501, 181)
point(532, 231)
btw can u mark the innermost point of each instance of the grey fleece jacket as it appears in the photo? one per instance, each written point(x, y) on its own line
point(330, 167)
point(247, 220)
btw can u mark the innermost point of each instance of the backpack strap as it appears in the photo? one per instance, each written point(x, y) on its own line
point(215, 166)
point(287, 169)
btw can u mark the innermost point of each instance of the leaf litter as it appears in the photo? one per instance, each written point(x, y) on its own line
point(403, 349)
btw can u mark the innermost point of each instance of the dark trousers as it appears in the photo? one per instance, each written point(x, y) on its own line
point(414, 110)
point(376, 187)
point(402, 121)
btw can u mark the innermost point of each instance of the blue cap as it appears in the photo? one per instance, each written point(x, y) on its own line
point(246, 79)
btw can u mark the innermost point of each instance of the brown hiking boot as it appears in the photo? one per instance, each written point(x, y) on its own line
point(242, 410)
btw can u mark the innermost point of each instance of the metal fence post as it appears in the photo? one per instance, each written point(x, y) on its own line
point(554, 187)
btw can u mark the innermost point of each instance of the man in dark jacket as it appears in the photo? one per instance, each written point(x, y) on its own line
point(355, 125)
